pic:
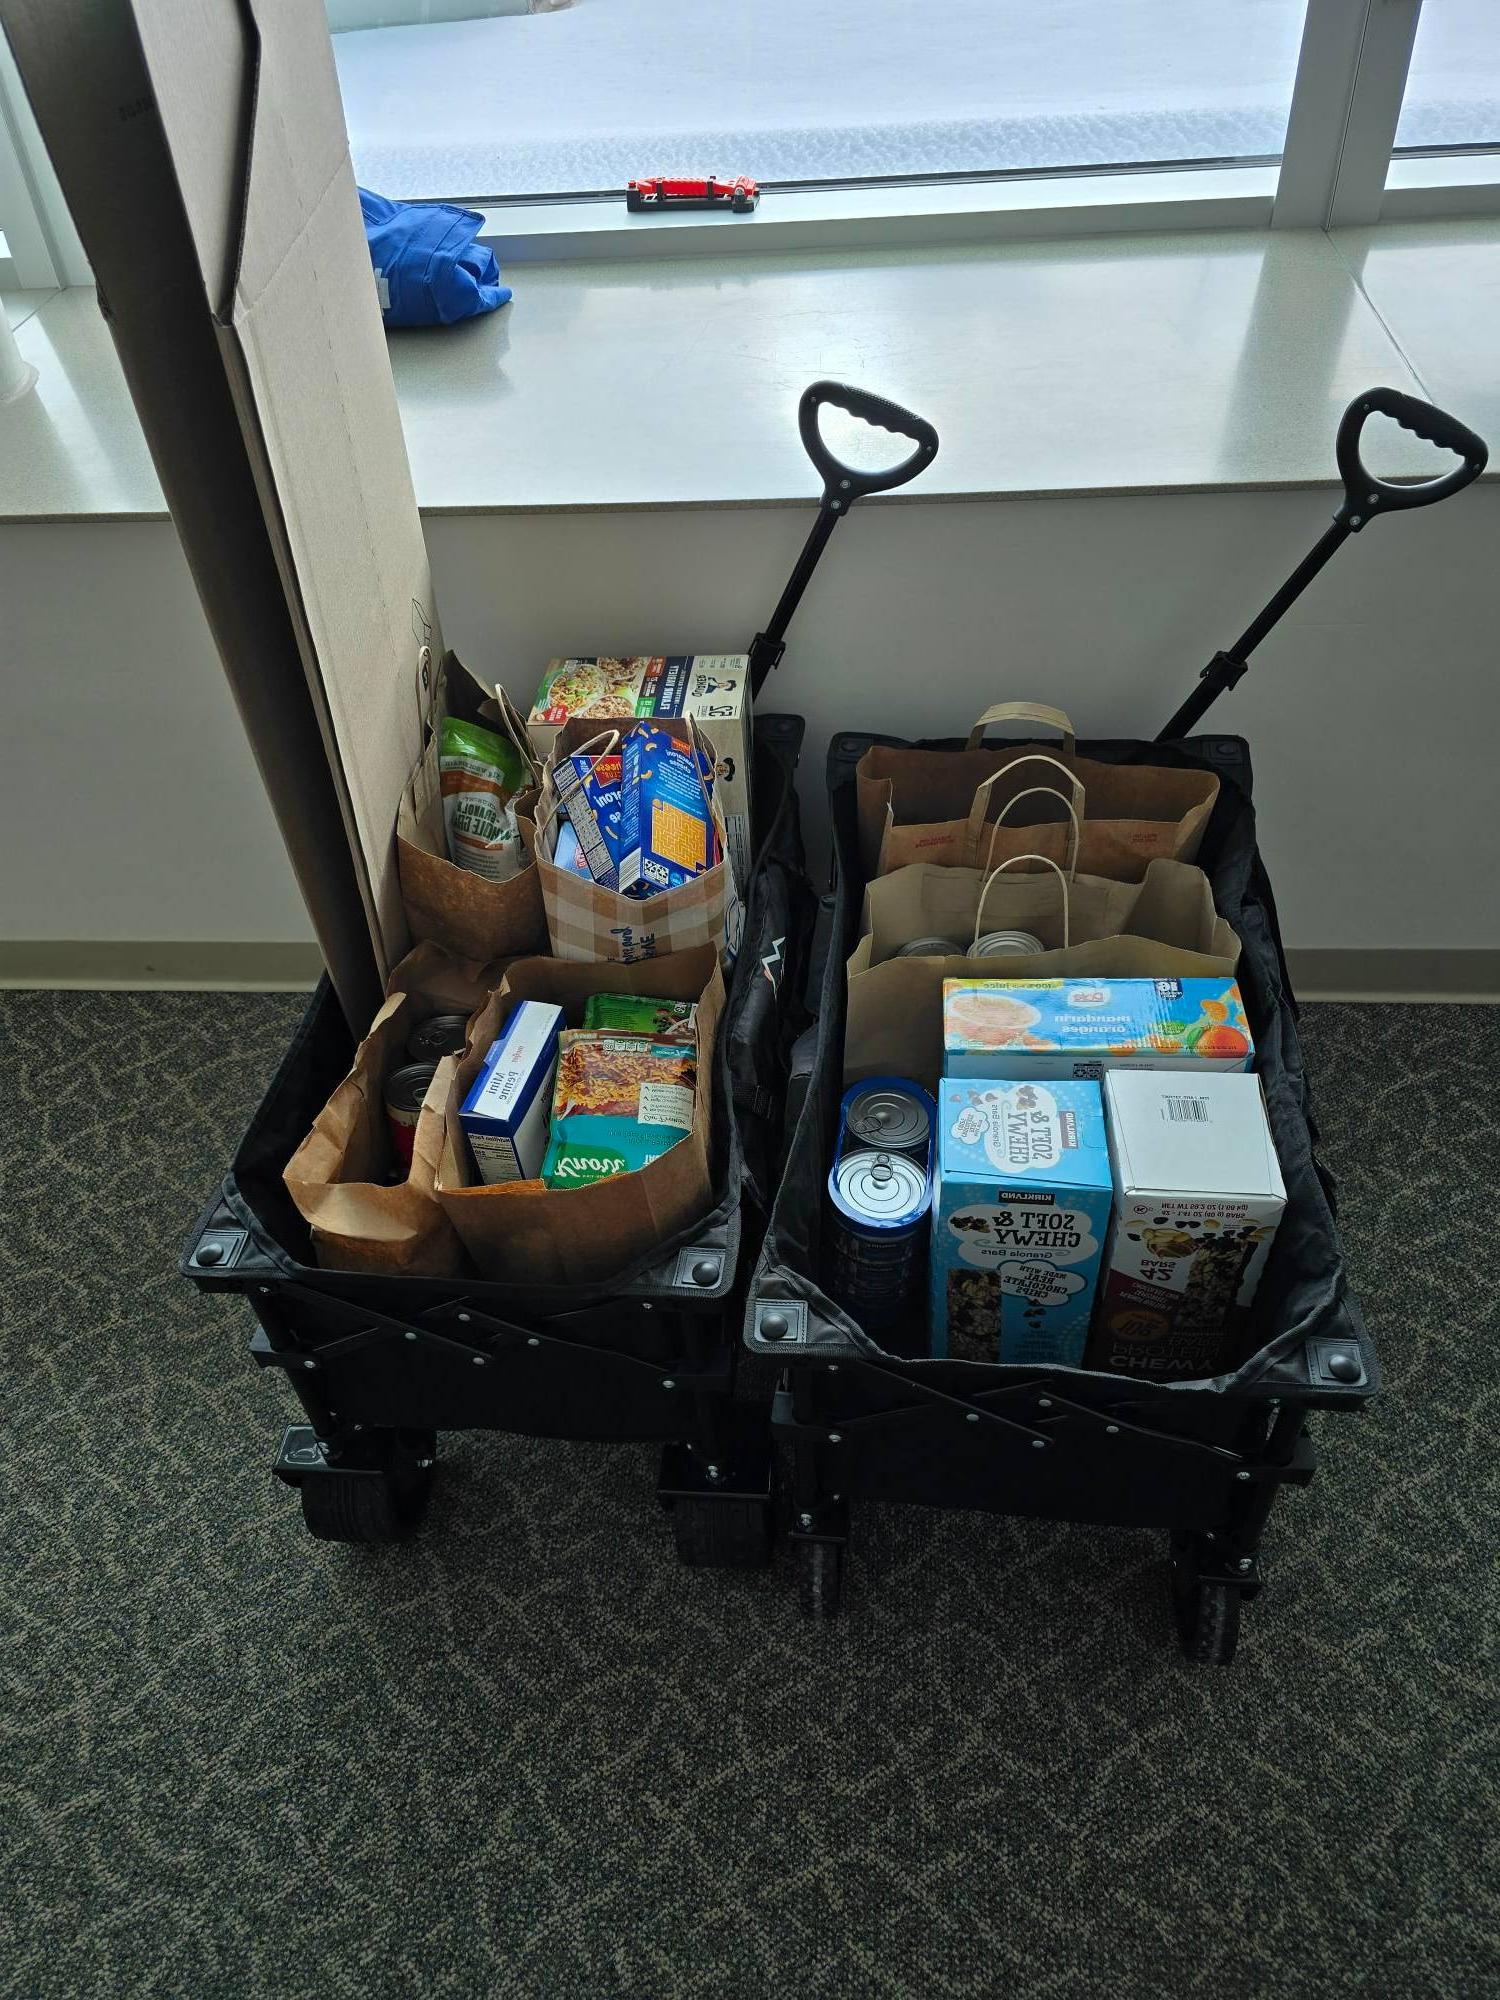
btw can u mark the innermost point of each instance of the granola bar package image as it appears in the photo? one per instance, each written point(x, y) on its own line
point(1198, 1195)
point(1020, 1217)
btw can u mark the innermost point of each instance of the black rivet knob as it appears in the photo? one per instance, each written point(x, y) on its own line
point(706, 1271)
point(210, 1253)
point(774, 1326)
point(1344, 1367)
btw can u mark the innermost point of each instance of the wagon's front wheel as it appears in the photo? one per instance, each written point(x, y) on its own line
point(1206, 1611)
point(380, 1497)
point(820, 1578)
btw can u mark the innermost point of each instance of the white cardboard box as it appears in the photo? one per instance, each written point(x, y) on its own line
point(1198, 1196)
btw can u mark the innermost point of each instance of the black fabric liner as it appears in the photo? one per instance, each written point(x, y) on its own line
point(749, 1072)
point(1303, 1293)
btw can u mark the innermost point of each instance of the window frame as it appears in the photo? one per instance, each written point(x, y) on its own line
point(1338, 169)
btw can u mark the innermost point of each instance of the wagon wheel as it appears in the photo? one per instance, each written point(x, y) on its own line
point(1207, 1613)
point(820, 1578)
point(373, 1507)
point(722, 1534)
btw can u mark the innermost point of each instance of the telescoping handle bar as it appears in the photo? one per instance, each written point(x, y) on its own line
point(842, 486)
point(1365, 496)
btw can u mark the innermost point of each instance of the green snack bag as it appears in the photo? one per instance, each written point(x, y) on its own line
point(639, 1014)
point(480, 774)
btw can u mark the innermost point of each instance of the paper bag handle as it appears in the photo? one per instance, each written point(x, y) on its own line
point(424, 681)
point(1052, 792)
point(990, 881)
point(551, 799)
point(982, 791)
point(515, 729)
point(1025, 711)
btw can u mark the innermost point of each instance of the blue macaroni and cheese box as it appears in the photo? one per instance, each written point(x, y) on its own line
point(1084, 1027)
point(710, 689)
point(667, 831)
point(1020, 1217)
point(504, 1115)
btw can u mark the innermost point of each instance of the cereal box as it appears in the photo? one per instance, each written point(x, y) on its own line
point(713, 689)
point(1019, 1219)
point(1198, 1195)
point(505, 1112)
point(1083, 1027)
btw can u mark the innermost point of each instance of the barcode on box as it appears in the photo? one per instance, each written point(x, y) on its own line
point(1185, 1110)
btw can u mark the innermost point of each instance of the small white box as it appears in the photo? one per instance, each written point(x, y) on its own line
point(505, 1112)
point(1198, 1196)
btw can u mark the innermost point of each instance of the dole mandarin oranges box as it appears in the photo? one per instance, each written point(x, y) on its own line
point(1040, 1028)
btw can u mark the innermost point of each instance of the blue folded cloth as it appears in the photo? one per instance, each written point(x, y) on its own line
point(428, 267)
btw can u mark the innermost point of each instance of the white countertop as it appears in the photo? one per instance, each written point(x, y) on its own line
point(1105, 365)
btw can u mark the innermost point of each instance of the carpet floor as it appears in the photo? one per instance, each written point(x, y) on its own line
point(528, 1754)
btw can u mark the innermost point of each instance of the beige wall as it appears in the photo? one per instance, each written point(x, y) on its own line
point(130, 808)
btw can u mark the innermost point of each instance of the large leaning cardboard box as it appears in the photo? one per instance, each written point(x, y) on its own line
point(202, 151)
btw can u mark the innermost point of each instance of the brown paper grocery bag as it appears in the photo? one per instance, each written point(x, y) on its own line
point(336, 1177)
point(447, 904)
point(1163, 927)
point(526, 1233)
point(941, 805)
point(586, 920)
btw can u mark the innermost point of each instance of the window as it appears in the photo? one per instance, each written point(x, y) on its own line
point(1453, 86)
point(810, 91)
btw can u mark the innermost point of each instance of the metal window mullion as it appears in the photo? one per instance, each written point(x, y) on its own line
point(1351, 77)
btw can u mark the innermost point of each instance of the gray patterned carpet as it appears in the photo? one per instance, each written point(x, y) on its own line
point(529, 1755)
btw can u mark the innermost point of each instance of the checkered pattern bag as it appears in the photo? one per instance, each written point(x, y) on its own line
point(587, 921)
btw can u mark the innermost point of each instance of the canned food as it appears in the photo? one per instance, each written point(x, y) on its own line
point(404, 1090)
point(878, 1205)
point(437, 1036)
point(889, 1114)
point(931, 947)
point(1005, 944)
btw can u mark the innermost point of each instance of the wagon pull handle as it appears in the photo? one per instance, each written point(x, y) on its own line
point(1365, 496)
point(989, 884)
point(842, 486)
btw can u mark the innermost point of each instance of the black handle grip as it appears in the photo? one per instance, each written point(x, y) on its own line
point(845, 483)
point(1364, 494)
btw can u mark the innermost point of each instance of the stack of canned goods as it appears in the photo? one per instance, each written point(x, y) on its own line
point(994, 944)
point(436, 1036)
point(879, 1193)
point(1005, 944)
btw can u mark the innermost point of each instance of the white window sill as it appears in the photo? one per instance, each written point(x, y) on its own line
point(1132, 364)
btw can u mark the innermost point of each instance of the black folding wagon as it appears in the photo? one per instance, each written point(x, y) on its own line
point(381, 1365)
point(864, 1418)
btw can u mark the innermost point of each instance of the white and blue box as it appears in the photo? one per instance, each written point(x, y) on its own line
point(1020, 1218)
point(504, 1115)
